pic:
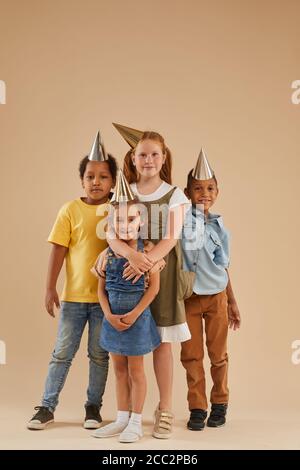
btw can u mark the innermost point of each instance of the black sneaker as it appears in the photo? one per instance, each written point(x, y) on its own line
point(217, 415)
point(197, 420)
point(41, 419)
point(92, 419)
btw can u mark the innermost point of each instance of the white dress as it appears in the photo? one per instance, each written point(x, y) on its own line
point(181, 332)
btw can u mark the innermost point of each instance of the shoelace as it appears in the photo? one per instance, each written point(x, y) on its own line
point(40, 408)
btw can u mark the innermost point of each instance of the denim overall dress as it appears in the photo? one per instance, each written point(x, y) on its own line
point(142, 337)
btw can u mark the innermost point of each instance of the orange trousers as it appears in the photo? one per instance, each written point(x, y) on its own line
point(210, 312)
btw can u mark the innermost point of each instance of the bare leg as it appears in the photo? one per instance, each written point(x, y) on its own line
point(120, 364)
point(115, 428)
point(130, 388)
point(138, 382)
point(163, 368)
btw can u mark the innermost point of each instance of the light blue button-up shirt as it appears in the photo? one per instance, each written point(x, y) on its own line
point(205, 247)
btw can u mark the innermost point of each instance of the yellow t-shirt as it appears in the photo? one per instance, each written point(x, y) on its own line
point(81, 230)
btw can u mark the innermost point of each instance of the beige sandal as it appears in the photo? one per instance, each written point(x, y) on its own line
point(163, 420)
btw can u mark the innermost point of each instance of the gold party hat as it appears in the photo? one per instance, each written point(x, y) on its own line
point(98, 153)
point(202, 170)
point(123, 192)
point(132, 136)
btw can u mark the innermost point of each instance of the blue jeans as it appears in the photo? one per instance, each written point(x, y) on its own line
point(73, 318)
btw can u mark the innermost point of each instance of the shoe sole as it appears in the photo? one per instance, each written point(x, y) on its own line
point(38, 426)
point(195, 429)
point(91, 424)
point(161, 436)
point(105, 436)
point(215, 426)
point(128, 441)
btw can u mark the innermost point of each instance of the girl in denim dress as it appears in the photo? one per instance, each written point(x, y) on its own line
point(123, 296)
point(129, 330)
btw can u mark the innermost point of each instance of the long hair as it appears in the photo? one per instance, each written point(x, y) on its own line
point(166, 170)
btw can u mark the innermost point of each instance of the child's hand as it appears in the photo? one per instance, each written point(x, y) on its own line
point(51, 299)
point(116, 322)
point(139, 262)
point(234, 317)
point(101, 263)
point(130, 273)
point(129, 318)
point(158, 266)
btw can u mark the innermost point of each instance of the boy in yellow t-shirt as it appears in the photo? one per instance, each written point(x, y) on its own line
point(77, 237)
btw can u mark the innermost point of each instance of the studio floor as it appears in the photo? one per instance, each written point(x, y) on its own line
point(278, 430)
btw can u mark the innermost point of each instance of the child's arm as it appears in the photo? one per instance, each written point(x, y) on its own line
point(56, 260)
point(164, 246)
point(138, 261)
point(234, 316)
point(114, 320)
point(145, 301)
point(160, 264)
point(100, 265)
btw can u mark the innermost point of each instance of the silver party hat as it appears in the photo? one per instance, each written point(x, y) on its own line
point(202, 170)
point(98, 153)
point(123, 192)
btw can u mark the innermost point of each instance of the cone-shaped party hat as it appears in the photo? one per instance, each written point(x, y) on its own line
point(132, 136)
point(123, 192)
point(202, 170)
point(98, 153)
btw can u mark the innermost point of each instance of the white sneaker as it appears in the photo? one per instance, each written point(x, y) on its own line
point(131, 433)
point(110, 430)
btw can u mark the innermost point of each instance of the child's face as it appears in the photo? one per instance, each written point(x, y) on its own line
point(97, 181)
point(203, 192)
point(127, 221)
point(148, 158)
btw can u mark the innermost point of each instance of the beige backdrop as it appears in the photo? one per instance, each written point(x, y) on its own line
point(212, 73)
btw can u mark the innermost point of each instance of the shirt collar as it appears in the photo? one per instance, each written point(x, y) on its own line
point(216, 218)
point(212, 218)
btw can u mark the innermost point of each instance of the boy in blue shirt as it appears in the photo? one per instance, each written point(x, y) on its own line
point(205, 246)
